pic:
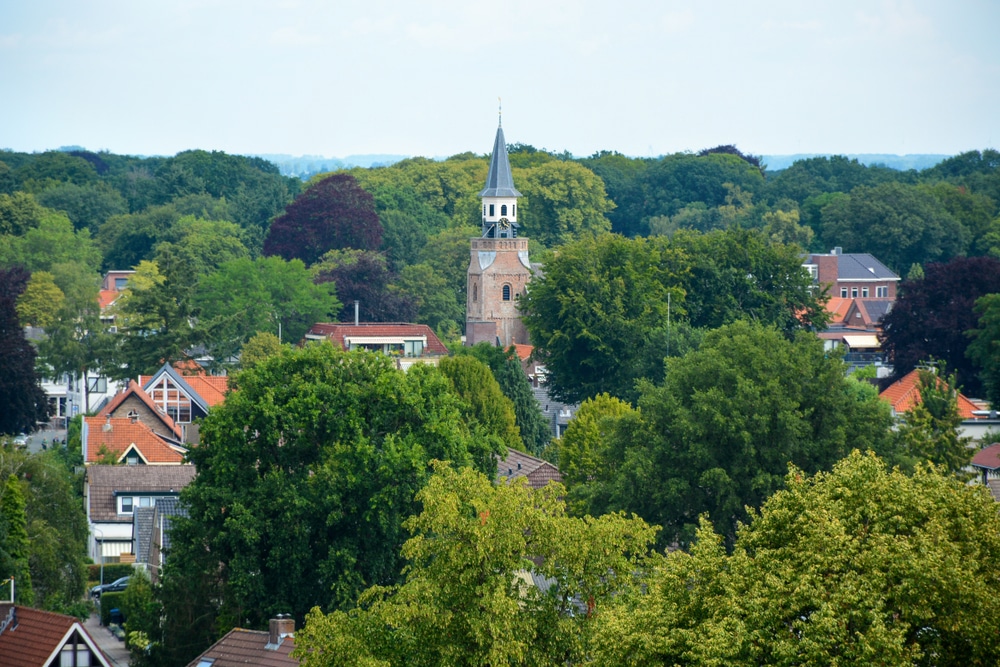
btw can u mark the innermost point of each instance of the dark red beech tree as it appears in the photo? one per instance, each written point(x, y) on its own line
point(331, 214)
point(932, 315)
point(21, 395)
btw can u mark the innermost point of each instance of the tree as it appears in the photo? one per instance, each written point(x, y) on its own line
point(717, 434)
point(562, 201)
point(861, 565)
point(984, 347)
point(305, 475)
point(506, 366)
point(466, 599)
point(364, 277)
point(931, 315)
point(52, 242)
point(41, 300)
point(489, 413)
point(930, 428)
point(87, 206)
point(598, 315)
point(16, 547)
point(333, 213)
point(243, 298)
point(261, 346)
point(900, 224)
point(19, 212)
point(21, 394)
point(434, 298)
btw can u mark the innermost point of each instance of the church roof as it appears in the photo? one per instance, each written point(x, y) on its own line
point(499, 182)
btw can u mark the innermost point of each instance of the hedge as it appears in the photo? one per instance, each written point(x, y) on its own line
point(112, 572)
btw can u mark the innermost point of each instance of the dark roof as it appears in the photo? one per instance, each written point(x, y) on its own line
point(103, 481)
point(337, 331)
point(32, 637)
point(518, 464)
point(142, 531)
point(862, 266)
point(988, 458)
point(499, 182)
point(164, 512)
point(877, 308)
point(247, 647)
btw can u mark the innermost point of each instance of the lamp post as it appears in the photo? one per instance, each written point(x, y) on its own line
point(101, 549)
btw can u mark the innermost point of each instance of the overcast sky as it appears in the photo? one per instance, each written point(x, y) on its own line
point(422, 78)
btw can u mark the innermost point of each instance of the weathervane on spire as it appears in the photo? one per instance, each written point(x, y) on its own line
point(499, 112)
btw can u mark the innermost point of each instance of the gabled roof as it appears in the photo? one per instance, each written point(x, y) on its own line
point(104, 481)
point(338, 333)
point(904, 393)
point(34, 638)
point(247, 647)
point(988, 458)
point(121, 434)
point(178, 381)
point(862, 266)
point(837, 307)
point(500, 181)
point(518, 464)
point(106, 297)
point(133, 389)
point(523, 351)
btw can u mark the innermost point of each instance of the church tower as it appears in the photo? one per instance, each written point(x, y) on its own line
point(498, 269)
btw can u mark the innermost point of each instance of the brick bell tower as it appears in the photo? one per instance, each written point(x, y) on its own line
point(498, 269)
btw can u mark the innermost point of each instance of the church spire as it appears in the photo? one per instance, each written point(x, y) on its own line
point(499, 181)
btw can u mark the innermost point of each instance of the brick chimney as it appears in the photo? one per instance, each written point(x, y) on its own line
point(279, 628)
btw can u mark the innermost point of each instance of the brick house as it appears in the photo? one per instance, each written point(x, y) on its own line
point(852, 275)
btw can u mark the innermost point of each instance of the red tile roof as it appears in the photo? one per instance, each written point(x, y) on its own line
point(122, 436)
point(523, 351)
point(988, 457)
point(133, 389)
point(211, 388)
point(518, 464)
point(33, 638)
point(247, 647)
point(837, 308)
point(904, 393)
point(106, 297)
point(336, 332)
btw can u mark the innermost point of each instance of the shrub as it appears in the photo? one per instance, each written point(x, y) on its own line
point(108, 602)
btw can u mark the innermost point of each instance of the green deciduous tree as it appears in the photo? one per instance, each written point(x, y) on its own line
point(717, 435)
point(984, 346)
point(930, 428)
point(305, 475)
point(41, 300)
point(598, 315)
point(16, 547)
point(860, 565)
point(466, 599)
point(562, 201)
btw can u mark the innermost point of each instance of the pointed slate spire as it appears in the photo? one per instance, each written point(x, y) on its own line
point(499, 182)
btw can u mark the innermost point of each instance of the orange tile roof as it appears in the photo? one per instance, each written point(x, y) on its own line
point(523, 351)
point(106, 297)
point(123, 434)
point(134, 389)
point(837, 307)
point(904, 393)
point(211, 388)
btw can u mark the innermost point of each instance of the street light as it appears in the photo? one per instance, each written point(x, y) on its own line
point(101, 547)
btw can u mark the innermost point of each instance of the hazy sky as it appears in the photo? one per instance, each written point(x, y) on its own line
point(422, 78)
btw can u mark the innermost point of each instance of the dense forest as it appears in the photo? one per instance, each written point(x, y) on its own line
point(671, 305)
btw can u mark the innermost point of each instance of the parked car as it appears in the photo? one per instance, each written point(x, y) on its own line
point(115, 586)
point(21, 440)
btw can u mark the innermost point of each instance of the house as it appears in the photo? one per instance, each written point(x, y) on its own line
point(165, 510)
point(557, 413)
point(987, 462)
point(408, 343)
point(904, 393)
point(253, 647)
point(538, 472)
point(852, 275)
point(128, 441)
point(185, 392)
point(113, 493)
point(134, 403)
point(35, 638)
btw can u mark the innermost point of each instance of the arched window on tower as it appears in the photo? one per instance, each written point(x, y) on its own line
point(491, 210)
point(513, 210)
point(506, 292)
point(503, 209)
point(475, 292)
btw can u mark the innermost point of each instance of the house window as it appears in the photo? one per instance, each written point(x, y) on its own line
point(506, 292)
point(843, 292)
point(854, 292)
point(882, 291)
point(145, 501)
point(491, 210)
point(503, 209)
point(864, 292)
point(98, 385)
point(120, 284)
point(126, 505)
point(132, 459)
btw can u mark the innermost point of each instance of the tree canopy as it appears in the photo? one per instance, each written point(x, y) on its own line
point(21, 394)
